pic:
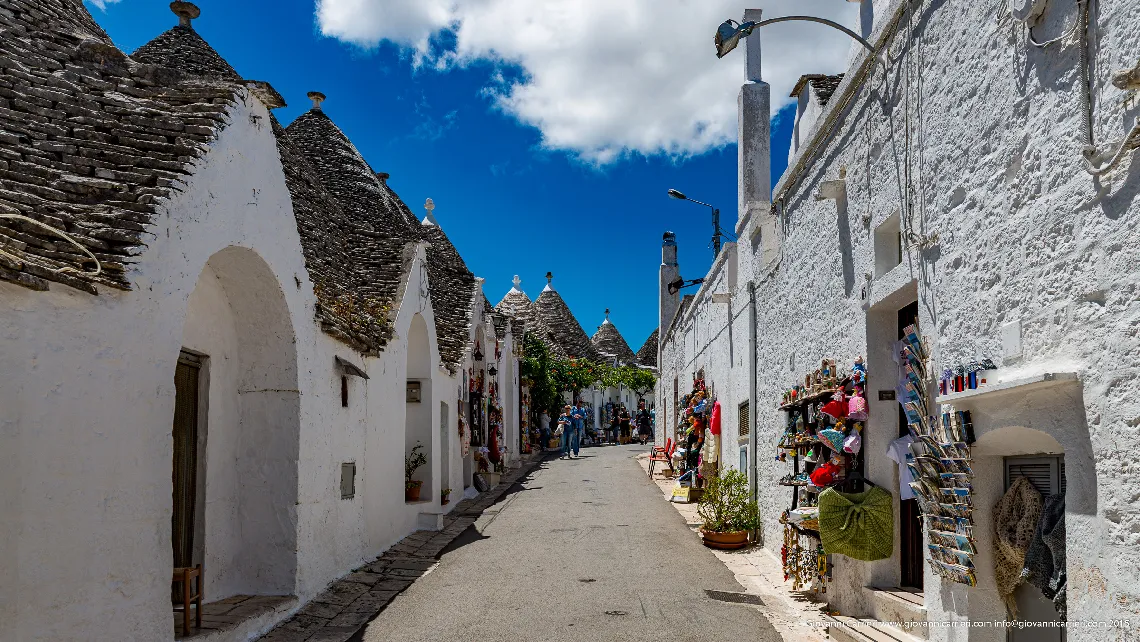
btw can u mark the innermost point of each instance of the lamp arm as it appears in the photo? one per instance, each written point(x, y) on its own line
point(823, 21)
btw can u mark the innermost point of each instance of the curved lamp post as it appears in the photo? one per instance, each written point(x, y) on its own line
point(730, 32)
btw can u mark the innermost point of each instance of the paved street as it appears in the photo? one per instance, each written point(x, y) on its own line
point(580, 550)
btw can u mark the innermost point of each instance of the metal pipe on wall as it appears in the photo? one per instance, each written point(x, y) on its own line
point(752, 365)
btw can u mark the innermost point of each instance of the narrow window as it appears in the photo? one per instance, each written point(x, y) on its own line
point(348, 480)
point(888, 245)
point(742, 419)
point(344, 391)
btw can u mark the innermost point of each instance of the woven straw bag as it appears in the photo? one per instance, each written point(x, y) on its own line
point(858, 525)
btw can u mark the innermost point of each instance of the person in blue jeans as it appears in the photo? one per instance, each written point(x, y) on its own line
point(569, 433)
point(578, 418)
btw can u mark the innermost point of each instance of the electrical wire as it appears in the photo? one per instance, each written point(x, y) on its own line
point(67, 237)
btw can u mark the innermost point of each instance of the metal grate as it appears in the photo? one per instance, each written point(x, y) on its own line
point(742, 419)
point(348, 480)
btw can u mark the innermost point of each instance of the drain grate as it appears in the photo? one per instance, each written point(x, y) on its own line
point(617, 612)
point(735, 598)
point(587, 580)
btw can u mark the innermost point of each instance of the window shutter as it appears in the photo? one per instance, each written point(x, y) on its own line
point(742, 419)
point(1046, 473)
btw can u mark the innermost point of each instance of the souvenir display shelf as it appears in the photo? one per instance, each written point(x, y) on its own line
point(940, 462)
point(802, 553)
point(692, 424)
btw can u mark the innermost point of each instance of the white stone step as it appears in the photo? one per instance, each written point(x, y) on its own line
point(899, 606)
point(850, 629)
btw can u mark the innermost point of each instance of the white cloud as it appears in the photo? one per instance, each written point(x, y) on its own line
point(102, 4)
point(604, 78)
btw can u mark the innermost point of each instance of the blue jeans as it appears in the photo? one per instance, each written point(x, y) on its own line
point(569, 440)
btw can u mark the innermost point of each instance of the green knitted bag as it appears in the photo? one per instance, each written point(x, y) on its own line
point(858, 525)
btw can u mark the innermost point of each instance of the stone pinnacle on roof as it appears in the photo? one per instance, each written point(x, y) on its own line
point(607, 317)
point(549, 278)
point(429, 219)
point(186, 11)
point(317, 98)
point(517, 282)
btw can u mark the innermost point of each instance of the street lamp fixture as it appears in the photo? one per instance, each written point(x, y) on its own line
point(730, 32)
point(499, 321)
point(679, 283)
point(717, 231)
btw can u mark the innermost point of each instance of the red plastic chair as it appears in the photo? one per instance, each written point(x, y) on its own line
point(662, 454)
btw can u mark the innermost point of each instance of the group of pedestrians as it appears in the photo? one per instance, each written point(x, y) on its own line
point(571, 427)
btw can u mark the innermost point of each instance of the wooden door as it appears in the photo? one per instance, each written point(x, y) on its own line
point(185, 468)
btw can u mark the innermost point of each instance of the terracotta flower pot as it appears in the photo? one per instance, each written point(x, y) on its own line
point(412, 492)
point(727, 541)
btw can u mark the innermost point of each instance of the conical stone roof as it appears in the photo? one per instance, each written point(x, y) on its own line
point(564, 328)
point(517, 305)
point(183, 49)
point(647, 355)
point(610, 343)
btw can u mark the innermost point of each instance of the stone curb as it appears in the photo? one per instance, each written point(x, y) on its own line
point(348, 604)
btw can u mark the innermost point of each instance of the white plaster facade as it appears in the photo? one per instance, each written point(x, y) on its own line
point(87, 403)
point(1034, 266)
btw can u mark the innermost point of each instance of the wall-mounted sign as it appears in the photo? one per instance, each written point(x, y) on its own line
point(413, 392)
point(886, 395)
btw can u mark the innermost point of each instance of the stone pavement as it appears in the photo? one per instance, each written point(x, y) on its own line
point(352, 601)
point(796, 615)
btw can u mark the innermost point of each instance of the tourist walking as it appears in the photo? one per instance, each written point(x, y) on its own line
point(643, 421)
point(544, 430)
point(578, 421)
point(614, 428)
point(623, 422)
point(569, 434)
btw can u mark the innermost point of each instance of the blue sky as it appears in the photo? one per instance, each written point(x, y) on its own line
point(508, 201)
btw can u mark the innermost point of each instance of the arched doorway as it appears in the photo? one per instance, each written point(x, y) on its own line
point(236, 431)
point(418, 425)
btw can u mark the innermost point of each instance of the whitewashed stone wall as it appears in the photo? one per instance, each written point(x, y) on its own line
point(1025, 238)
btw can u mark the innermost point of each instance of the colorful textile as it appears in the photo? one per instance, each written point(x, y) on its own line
point(858, 525)
point(1015, 522)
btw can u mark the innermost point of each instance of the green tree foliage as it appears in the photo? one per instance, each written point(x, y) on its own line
point(575, 375)
point(536, 367)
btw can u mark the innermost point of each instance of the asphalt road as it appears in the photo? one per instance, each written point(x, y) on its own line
point(581, 550)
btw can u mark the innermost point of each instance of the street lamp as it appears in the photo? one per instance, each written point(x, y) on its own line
point(717, 231)
point(730, 32)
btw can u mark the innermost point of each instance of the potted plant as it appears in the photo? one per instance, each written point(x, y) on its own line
point(728, 515)
point(443, 497)
point(412, 462)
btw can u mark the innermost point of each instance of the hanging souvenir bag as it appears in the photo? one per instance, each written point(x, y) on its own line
point(858, 525)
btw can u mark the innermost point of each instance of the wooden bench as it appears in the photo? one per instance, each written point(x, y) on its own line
point(183, 576)
point(662, 454)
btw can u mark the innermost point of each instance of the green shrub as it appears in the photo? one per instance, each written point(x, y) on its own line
point(725, 507)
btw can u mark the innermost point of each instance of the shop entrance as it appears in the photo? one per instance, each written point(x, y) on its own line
point(910, 525)
point(1047, 474)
